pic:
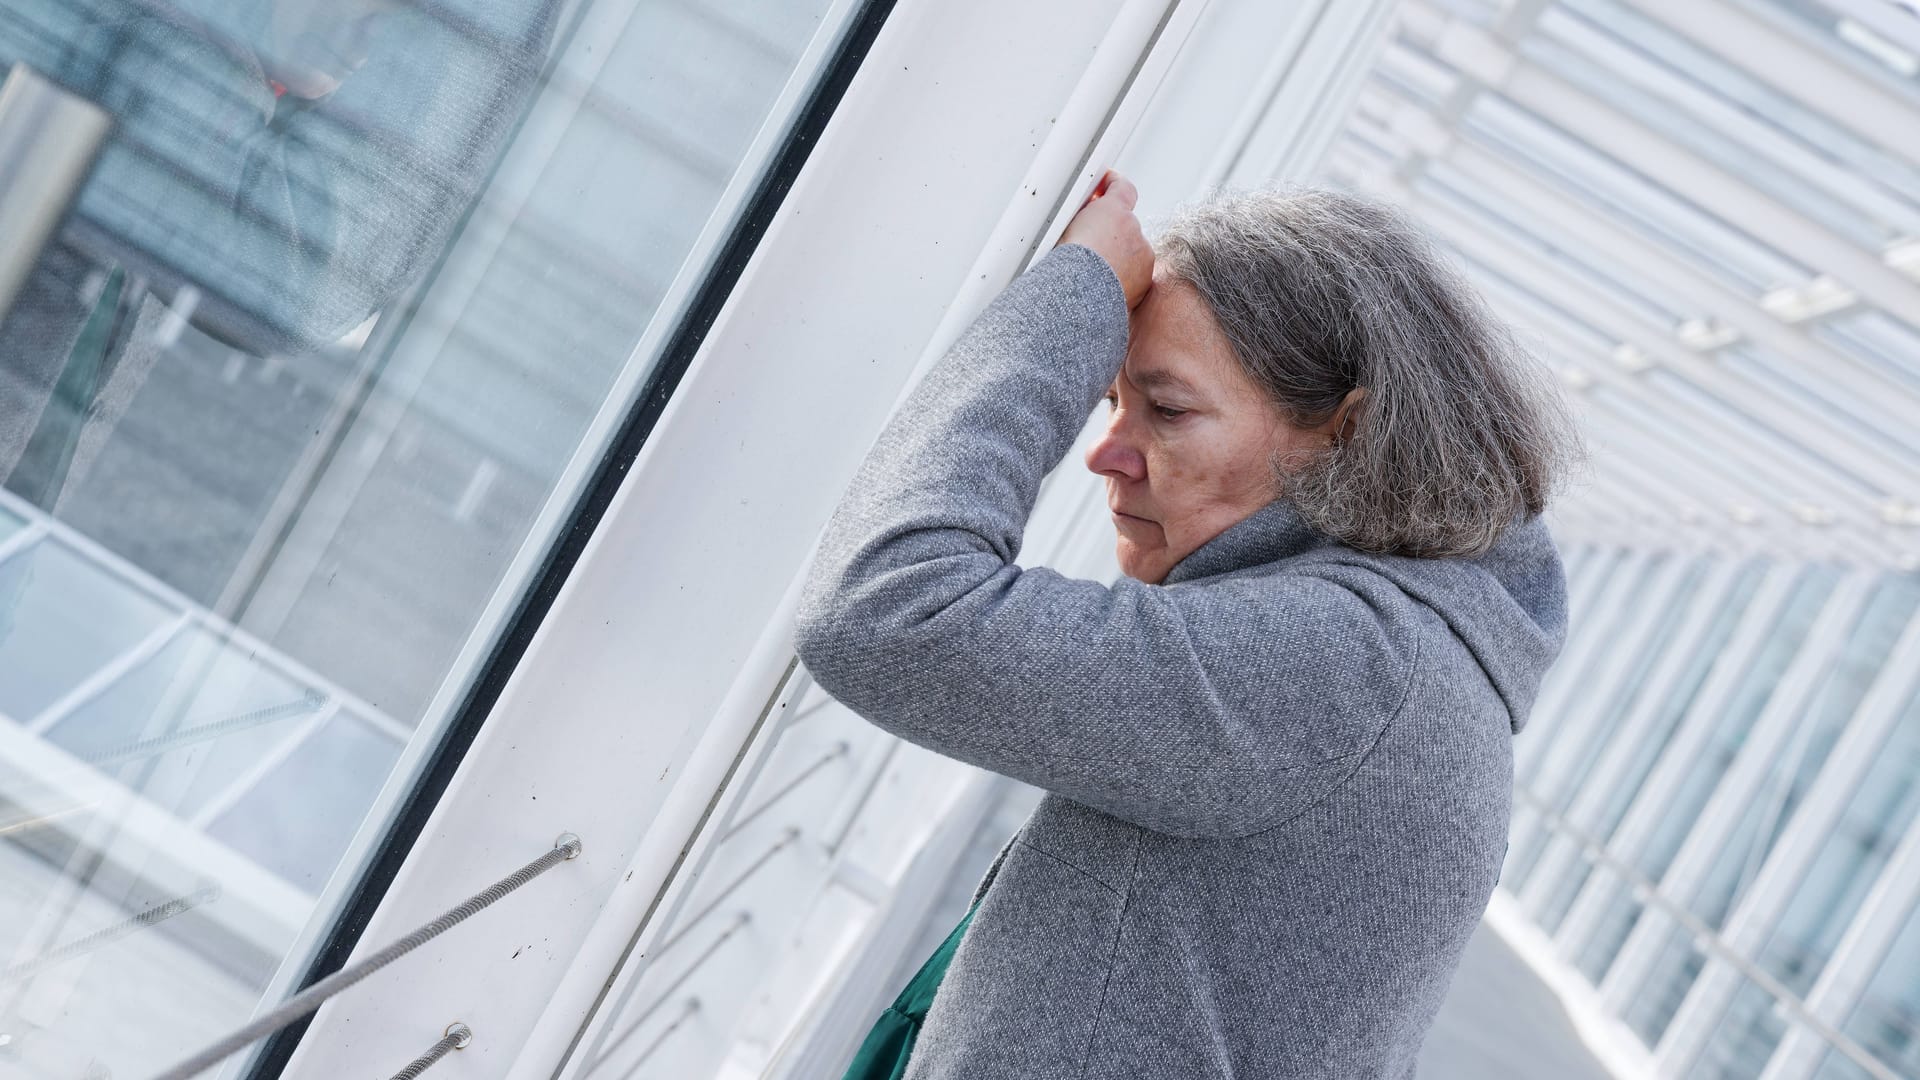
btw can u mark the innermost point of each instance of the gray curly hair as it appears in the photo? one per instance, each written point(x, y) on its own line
point(1459, 432)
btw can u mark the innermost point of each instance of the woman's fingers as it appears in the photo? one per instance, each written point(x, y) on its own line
point(1099, 189)
point(1106, 224)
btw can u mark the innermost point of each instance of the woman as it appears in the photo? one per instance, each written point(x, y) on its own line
point(1277, 753)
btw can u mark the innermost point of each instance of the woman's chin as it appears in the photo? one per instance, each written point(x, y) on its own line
point(1139, 565)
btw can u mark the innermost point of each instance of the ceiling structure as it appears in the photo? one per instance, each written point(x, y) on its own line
point(1705, 217)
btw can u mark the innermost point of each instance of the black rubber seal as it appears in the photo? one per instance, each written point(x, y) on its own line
point(444, 759)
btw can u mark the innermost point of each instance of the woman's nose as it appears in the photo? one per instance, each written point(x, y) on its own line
point(1114, 454)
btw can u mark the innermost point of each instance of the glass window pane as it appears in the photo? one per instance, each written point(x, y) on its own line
point(1590, 745)
point(200, 715)
point(1789, 775)
point(284, 821)
point(1731, 725)
point(61, 620)
point(1678, 964)
point(356, 296)
point(1883, 421)
point(1886, 1022)
point(1686, 231)
point(1761, 1021)
point(1620, 914)
point(1529, 233)
point(1671, 710)
point(1838, 1066)
point(1553, 907)
point(1766, 104)
point(1885, 343)
point(1878, 813)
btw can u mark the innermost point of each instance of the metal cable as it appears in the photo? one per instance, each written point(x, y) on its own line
point(720, 895)
point(840, 750)
point(606, 1054)
point(457, 1037)
point(311, 702)
point(686, 1013)
point(812, 710)
point(156, 914)
point(306, 1001)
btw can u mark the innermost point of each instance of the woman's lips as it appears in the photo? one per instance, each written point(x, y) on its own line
point(1129, 517)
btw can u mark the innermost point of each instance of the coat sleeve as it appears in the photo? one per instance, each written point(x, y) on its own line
point(1214, 711)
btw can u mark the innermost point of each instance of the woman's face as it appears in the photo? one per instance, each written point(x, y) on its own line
point(1189, 438)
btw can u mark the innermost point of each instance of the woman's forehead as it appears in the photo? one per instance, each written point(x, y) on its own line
point(1177, 345)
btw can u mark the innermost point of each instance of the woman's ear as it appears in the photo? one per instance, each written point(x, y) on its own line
point(1346, 416)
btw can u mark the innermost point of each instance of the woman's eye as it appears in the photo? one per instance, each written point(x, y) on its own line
point(1169, 412)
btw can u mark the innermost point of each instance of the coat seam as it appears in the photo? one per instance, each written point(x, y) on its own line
point(1113, 957)
point(1406, 695)
point(1078, 870)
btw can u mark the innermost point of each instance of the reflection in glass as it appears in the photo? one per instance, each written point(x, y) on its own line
point(61, 620)
point(290, 409)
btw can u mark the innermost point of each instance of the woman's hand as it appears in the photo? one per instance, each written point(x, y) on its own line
point(1105, 223)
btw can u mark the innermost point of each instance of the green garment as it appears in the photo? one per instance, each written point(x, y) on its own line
point(884, 1055)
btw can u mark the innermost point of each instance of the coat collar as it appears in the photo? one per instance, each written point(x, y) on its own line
point(1275, 531)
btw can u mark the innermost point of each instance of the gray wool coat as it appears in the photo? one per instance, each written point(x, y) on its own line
point(1278, 782)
